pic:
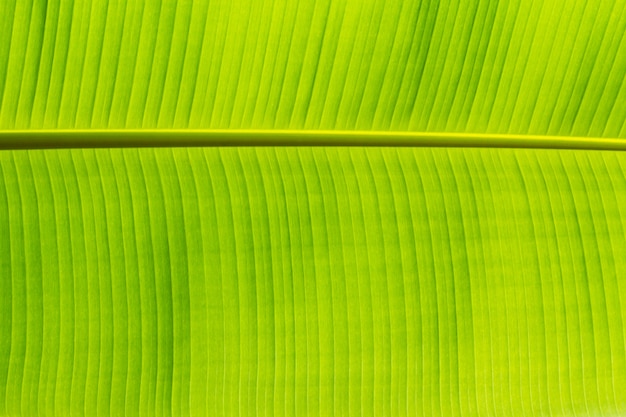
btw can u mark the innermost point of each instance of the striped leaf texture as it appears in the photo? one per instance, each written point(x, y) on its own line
point(298, 281)
point(553, 67)
point(404, 273)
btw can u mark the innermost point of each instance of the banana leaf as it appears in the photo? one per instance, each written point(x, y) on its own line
point(322, 207)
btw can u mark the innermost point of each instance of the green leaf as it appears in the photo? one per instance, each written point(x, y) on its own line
point(296, 281)
point(511, 67)
point(310, 227)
